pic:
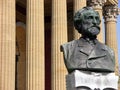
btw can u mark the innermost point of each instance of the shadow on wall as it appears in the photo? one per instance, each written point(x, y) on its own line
point(21, 62)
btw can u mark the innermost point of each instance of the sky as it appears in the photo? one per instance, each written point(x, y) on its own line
point(118, 33)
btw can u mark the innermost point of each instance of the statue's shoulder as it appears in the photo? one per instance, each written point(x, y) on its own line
point(109, 49)
point(68, 45)
point(67, 48)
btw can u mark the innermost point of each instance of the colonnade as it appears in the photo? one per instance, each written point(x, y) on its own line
point(35, 45)
point(35, 74)
point(110, 16)
point(7, 44)
point(59, 36)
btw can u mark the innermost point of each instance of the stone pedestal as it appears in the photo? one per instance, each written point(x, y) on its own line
point(91, 81)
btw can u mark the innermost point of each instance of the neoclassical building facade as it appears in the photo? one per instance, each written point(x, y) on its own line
point(31, 32)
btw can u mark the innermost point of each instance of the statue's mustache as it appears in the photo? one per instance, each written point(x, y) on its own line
point(94, 26)
point(94, 30)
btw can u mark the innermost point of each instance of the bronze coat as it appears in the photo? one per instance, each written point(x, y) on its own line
point(80, 55)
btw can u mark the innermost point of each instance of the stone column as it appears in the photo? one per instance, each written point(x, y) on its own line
point(7, 44)
point(0, 43)
point(110, 16)
point(78, 4)
point(59, 36)
point(35, 45)
point(97, 5)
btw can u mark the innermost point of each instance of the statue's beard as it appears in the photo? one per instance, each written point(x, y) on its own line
point(93, 31)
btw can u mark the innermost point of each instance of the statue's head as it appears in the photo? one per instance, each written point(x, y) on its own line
point(87, 21)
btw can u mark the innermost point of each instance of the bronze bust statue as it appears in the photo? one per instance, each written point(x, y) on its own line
point(87, 53)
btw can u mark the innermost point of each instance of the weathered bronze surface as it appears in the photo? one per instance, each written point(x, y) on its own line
point(87, 53)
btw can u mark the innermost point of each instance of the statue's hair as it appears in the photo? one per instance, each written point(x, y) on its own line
point(79, 16)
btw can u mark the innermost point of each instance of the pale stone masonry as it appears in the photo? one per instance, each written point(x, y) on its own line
point(35, 45)
point(78, 4)
point(7, 44)
point(59, 36)
point(110, 16)
point(34, 59)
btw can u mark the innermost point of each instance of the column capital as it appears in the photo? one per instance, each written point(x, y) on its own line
point(110, 12)
point(96, 3)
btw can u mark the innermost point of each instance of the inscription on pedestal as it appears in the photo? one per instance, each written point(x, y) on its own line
point(92, 81)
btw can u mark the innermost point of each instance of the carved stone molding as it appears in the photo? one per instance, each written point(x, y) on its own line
point(96, 3)
point(110, 12)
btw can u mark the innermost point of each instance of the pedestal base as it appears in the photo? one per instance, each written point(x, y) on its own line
point(86, 80)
